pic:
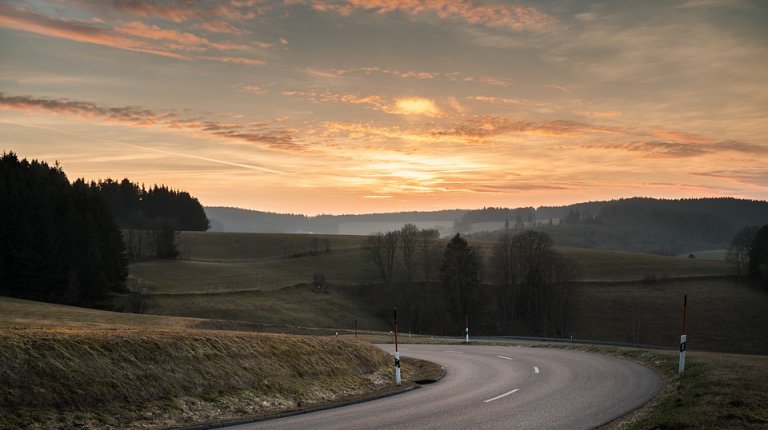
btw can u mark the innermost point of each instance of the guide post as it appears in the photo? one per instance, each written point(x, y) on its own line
point(683, 337)
point(466, 328)
point(397, 354)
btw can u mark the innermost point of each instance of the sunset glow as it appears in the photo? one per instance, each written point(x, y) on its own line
point(341, 106)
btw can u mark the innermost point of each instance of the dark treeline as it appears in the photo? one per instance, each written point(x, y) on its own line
point(250, 221)
point(150, 218)
point(521, 288)
point(58, 240)
point(635, 224)
point(649, 225)
point(511, 217)
point(138, 208)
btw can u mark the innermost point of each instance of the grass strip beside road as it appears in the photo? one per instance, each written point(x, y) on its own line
point(130, 378)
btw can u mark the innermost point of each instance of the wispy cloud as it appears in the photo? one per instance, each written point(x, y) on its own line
point(510, 17)
point(508, 101)
point(398, 105)
point(78, 31)
point(677, 149)
point(263, 133)
point(132, 36)
point(419, 75)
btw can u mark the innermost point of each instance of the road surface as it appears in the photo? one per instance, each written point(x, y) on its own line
point(497, 387)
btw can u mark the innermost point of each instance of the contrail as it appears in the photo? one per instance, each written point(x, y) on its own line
point(159, 151)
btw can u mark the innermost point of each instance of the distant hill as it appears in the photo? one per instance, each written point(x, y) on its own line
point(634, 224)
point(250, 221)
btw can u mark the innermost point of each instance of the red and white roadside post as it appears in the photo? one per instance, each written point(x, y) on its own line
point(683, 337)
point(466, 329)
point(397, 354)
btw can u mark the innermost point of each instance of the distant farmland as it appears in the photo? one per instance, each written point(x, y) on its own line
point(266, 278)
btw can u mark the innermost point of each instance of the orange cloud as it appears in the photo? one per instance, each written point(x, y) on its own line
point(262, 132)
point(416, 106)
point(175, 39)
point(507, 100)
point(400, 106)
point(677, 149)
point(132, 36)
point(79, 31)
point(515, 18)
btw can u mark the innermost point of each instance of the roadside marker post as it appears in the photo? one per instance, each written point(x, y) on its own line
point(683, 337)
point(355, 329)
point(466, 329)
point(397, 354)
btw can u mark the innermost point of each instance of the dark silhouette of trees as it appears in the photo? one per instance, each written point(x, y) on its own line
point(741, 245)
point(460, 275)
point(382, 249)
point(758, 256)
point(151, 218)
point(531, 284)
point(408, 236)
point(428, 251)
point(58, 241)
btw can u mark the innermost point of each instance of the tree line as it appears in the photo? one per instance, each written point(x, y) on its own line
point(749, 253)
point(150, 218)
point(521, 288)
point(58, 240)
point(69, 242)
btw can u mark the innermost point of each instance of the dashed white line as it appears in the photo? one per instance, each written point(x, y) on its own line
point(535, 369)
point(503, 395)
point(455, 352)
point(506, 358)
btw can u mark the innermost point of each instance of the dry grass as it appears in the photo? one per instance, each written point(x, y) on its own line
point(117, 378)
point(717, 391)
point(18, 312)
point(723, 314)
point(602, 265)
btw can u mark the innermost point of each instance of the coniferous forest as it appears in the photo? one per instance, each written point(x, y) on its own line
point(61, 241)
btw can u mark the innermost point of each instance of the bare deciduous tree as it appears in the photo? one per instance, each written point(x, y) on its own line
point(741, 245)
point(409, 235)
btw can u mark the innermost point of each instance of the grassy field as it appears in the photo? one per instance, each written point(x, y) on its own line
point(601, 265)
point(723, 314)
point(28, 313)
point(265, 278)
point(221, 262)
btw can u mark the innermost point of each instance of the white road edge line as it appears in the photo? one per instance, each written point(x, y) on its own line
point(535, 369)
point(506, 358)
point(503, 395)
point(455, 352)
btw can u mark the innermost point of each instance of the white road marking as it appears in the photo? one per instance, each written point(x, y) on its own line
point(506, 358)
point(535, 369)
point(455, 352)
point(503, 395)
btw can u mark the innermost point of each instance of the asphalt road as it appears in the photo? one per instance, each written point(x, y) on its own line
point(497, 387)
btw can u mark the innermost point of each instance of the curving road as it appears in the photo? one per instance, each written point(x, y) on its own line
point(498, 387)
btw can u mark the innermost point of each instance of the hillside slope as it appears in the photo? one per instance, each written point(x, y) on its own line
point(131, 378)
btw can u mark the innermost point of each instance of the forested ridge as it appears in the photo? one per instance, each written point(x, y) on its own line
point(64, 242)
point(663, 226)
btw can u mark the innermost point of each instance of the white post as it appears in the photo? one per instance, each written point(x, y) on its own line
point(397, 369)
point(397, 353)
point(683, 337)
point(681, 367)
point(466, 328)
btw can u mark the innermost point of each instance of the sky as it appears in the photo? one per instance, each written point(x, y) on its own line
point(359, 106)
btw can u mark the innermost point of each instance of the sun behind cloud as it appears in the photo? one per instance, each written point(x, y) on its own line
point(417, 106)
